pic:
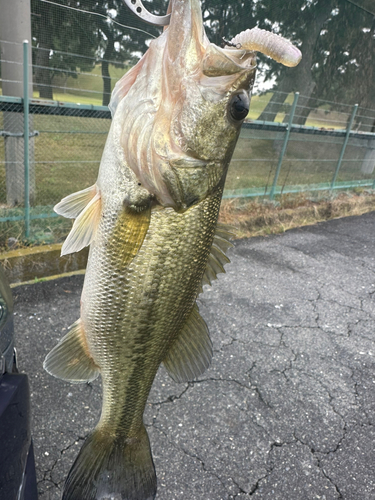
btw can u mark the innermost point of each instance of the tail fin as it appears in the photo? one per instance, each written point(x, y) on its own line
point(108, 467)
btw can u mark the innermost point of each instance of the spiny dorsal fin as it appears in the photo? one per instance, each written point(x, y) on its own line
point(191, 353)
point(225, 231)
point(71, 206)
point(217, 258)
point(84, 227)
point(70, 359)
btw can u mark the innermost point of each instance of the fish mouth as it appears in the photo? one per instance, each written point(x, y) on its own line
point(189, 162)
point(224, 62)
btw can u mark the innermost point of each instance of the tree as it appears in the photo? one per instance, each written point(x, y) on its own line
point(335, 36)
point(118, 43)
point(348, 72)
point(308, 25)
point(225, 19)
point(337, 42)
point(63, 33)
point(58, 29)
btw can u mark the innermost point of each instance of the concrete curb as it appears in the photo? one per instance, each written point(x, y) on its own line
point(31, 264)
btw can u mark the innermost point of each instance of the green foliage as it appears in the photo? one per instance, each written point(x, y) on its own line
point(347, 72)
point(53, 30)
point(336, 38)
point(77, 34)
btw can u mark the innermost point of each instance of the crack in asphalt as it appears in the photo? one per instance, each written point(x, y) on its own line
point(193, 456)
point(319, 465)
point(173, 397)
point(51, 469)
point(310, 364)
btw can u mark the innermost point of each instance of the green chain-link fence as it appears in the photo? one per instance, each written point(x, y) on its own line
point(315, 146)
point(66, 142)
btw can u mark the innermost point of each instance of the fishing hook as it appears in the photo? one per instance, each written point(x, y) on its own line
point(140, 11)
point(227, 43)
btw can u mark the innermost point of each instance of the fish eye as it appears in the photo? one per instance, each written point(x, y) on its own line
point(239, 106)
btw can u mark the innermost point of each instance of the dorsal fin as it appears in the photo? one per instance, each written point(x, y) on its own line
point(217, 258)
point(191, 353)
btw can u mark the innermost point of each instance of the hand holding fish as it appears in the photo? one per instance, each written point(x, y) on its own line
point(151, 223)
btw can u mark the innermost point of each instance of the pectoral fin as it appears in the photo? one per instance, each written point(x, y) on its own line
point(71, 206)
point(128, 235)
point(70, 359)
point(84, 227)
point(191, 353)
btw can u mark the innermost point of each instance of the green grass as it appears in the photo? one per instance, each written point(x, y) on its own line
point(86, 89)
point(308, 160)
point(67, 154)
point(77, 99)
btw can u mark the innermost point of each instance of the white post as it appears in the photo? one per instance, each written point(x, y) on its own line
point(15, 27)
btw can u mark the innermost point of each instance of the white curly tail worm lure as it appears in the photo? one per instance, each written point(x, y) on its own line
point(270, 44)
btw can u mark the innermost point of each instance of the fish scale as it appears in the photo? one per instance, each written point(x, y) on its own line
point(149, 306)
point(151, 223)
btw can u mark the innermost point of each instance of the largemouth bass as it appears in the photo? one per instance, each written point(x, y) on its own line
point(151, 223)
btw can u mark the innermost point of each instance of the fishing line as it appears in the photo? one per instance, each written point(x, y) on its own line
point(362, 8)
point(100, 15)
point(96, 59)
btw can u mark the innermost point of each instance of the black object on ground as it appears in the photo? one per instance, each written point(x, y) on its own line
point(17, 466)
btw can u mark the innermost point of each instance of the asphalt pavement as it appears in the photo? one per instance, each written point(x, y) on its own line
point(286, 410)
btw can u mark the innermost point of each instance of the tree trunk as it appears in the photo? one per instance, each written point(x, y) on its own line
point(42, 71)
point(368, 162)
point(277, 100)
point(105, 71)
point(365, 119)
point(12, 35)
point(300, 78)
point(304, 105)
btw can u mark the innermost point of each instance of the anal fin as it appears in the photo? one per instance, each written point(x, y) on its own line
point(70, 359)
point(191, 353)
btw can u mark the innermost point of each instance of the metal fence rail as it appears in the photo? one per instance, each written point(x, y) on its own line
point(49, 149)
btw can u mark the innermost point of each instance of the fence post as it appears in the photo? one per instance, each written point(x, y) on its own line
point(26, 134)
point(347, 135)
point(286, 140)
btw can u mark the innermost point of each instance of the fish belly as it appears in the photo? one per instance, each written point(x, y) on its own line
point(140, 287)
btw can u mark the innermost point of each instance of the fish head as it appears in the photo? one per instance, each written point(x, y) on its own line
point(213, 103)
point(181, 109)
